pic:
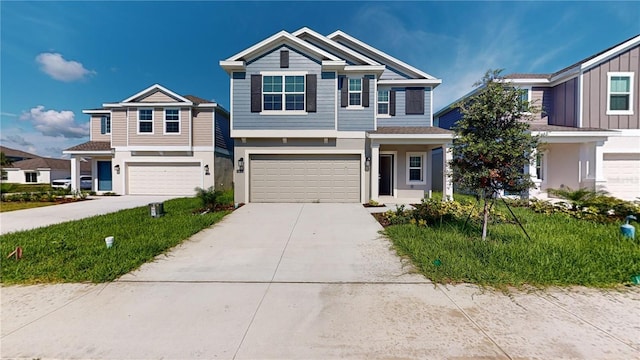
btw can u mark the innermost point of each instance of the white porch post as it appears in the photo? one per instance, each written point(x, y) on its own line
point(375, 172)
point(532, 170)
point(601, 182)
point(447, 183)
point(75, 173)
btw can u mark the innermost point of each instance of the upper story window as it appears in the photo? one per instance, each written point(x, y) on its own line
point(5, 175)
point(171, 121)
point(283, 92)
point(415, 168)
point(105, 124)
point(525, 98)
point(31, 177)
point(383, 102)
point(355, 92)
point(620, 93)
point(145, 121)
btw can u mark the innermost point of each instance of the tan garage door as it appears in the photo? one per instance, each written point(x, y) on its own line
point(304, 178)
point(622, 172)
point(163, 179)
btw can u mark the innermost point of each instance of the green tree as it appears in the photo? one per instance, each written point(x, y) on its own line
point(4, 160)
point(492, 145)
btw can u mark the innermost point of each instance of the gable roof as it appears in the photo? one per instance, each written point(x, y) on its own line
point(42, 163)
point(13, 153)
point(153, 88)
point(300, 33)
point(363, 47)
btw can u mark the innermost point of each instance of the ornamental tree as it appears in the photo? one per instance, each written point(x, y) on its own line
point(492, 144)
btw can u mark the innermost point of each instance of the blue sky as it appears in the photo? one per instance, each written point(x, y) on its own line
point(58, 58)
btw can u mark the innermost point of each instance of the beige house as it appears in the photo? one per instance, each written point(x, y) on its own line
point(156, 142)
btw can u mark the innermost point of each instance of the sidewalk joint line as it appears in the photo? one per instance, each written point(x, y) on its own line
point(475, 323)
point(269, 284)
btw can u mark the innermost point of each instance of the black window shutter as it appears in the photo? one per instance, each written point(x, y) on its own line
point(365, 91)
point(312, 84)
point(256, 93)
point(284, 58)
point(344, 94)
point(414, 102)
point(392, 103)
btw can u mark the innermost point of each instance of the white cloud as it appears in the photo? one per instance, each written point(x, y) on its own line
point(55, 123)
point(54, 65)
point(8, 114)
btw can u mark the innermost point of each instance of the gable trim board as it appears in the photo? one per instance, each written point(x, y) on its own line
point(157, 87)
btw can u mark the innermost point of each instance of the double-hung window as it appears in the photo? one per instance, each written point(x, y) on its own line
point(145, 121)
point(415, 168)
point(383, 102)
point(31, 177)
point(171, 121)
point(620, 93)
point(355, 92)
point(105, 124)
point(283, 92)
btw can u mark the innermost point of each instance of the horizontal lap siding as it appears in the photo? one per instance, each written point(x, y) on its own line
point(595, 93)
point(564, 98)
point(158, 138)
point(158, 97)
point(244, 119)
point(450, 118)
point(119, 127)
point(203, 127)
point(401, 119)
point(96, 126)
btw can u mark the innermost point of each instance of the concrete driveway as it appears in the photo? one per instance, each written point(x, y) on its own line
point(48, 215)
point(307, 281)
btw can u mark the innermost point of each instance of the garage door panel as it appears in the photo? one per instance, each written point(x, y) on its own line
point(622, 172)
point(163, 179)
point(305, 178)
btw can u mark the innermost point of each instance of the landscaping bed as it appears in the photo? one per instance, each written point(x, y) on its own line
point(444, 244)
point(75, 251)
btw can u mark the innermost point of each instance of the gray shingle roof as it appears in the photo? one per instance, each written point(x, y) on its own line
point(410, 130)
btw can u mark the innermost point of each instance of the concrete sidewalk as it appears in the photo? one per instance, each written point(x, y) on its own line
point(48, 215)
point(307, 281)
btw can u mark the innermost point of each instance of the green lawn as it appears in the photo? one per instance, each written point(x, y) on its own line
point(75, 251)
point(562, 251)
point(12, 206)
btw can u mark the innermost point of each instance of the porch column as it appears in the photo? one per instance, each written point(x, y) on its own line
point(375, 171)
point(75, 173)
point(601, 182)
point(532, 170)
point(447, 183)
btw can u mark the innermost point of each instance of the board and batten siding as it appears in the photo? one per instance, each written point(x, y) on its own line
point(401, 118)
point(202, 127)
point(96, 122)
point(157, 97)
point(244, 119)
point(594, 108)
point(159, 138)
point(119, 127)
point(565, 104)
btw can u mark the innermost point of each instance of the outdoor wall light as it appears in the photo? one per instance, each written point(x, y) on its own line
point(117, 169)
point(241, 165)
point(367, 163)
point(206, 170)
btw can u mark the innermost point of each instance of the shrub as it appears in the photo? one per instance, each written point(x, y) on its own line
point(209, 197)
point(7, 188)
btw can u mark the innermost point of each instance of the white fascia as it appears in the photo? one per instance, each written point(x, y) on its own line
point(376, 69)
point(156, 87)
point(411, 82)
point(373, 50)
point(88, 153)
point(297, 134)
point(611, 53)
point(335, 45)
point(98, 112)
point(411, 136)
point(231, 66)
point(148, 104)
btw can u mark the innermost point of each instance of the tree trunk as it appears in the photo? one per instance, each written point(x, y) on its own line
point(485, 219)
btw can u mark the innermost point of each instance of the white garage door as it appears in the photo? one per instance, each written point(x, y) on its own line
point(622, 172)
point(163, 179)
point(304, 178)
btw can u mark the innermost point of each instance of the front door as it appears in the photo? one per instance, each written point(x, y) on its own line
point(104, 176)
point(385, 184)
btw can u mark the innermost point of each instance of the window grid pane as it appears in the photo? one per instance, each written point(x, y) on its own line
point(619, 102)
point(273, 102)
point(383, 96)
point(383, 109)
point(294, 102)
point(145, 114)
point(415, 161)
point(355, 85)
point(172, 127)
point(354, 99)
point(620, 84)
point(171, 115)
point(146, 127)
point(294, 84)
point(414, 175)
point(272, 84)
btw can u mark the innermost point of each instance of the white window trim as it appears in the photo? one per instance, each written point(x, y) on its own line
point(423, 156)
point(30, 172)
point(528, 89)
point(349, 92)
point(631, 100)
point(164, 124)
point(109, 130)
point(284, 102)
point(138, 122)
point(378, 102)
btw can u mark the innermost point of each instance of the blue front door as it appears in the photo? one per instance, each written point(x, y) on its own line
point(104, 175)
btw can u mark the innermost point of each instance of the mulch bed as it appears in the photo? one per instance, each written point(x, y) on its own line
point(373, 206)
point(218, 207)
point(382, 219)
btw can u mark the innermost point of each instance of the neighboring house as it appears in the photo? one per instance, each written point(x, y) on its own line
point(156, 142)
point(590, 122)
point(331, 119)
point(28, 168)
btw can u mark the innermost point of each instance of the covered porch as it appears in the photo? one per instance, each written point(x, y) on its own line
point(99, 155)
point(409, 163)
